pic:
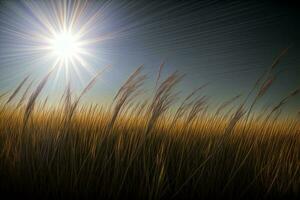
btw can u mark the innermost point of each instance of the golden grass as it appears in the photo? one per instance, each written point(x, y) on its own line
point(88, 157)
point(143, 150)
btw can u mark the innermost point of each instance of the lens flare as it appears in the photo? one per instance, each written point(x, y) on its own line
point(64, 35)
point(65, 45)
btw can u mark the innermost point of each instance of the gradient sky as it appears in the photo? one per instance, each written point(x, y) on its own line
point(226, 43)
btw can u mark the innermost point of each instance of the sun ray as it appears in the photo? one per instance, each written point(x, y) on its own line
point(84, 64)
point(60, 33)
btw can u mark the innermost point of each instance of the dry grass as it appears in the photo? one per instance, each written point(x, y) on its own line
point(145, 151)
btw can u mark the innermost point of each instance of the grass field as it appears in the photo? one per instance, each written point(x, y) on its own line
point(146, 150)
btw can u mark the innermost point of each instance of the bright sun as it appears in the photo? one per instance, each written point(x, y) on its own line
point(63, 37)
point(65, 45)
point(69, 51)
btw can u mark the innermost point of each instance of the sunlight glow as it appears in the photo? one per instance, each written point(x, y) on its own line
point(62, 35)
point(65, 45)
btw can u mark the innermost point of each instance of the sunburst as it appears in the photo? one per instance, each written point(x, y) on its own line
point(58, 34)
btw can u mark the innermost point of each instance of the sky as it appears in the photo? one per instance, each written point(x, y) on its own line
point(227, 44)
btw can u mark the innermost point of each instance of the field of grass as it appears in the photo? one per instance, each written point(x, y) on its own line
point(143, 149)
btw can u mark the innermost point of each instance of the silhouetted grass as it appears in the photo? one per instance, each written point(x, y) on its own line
point(143, 149)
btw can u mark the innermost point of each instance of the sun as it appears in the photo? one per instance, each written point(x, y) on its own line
point(65, 46)
point(61, 36)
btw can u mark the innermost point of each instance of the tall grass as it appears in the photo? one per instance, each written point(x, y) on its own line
point(142, 149)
